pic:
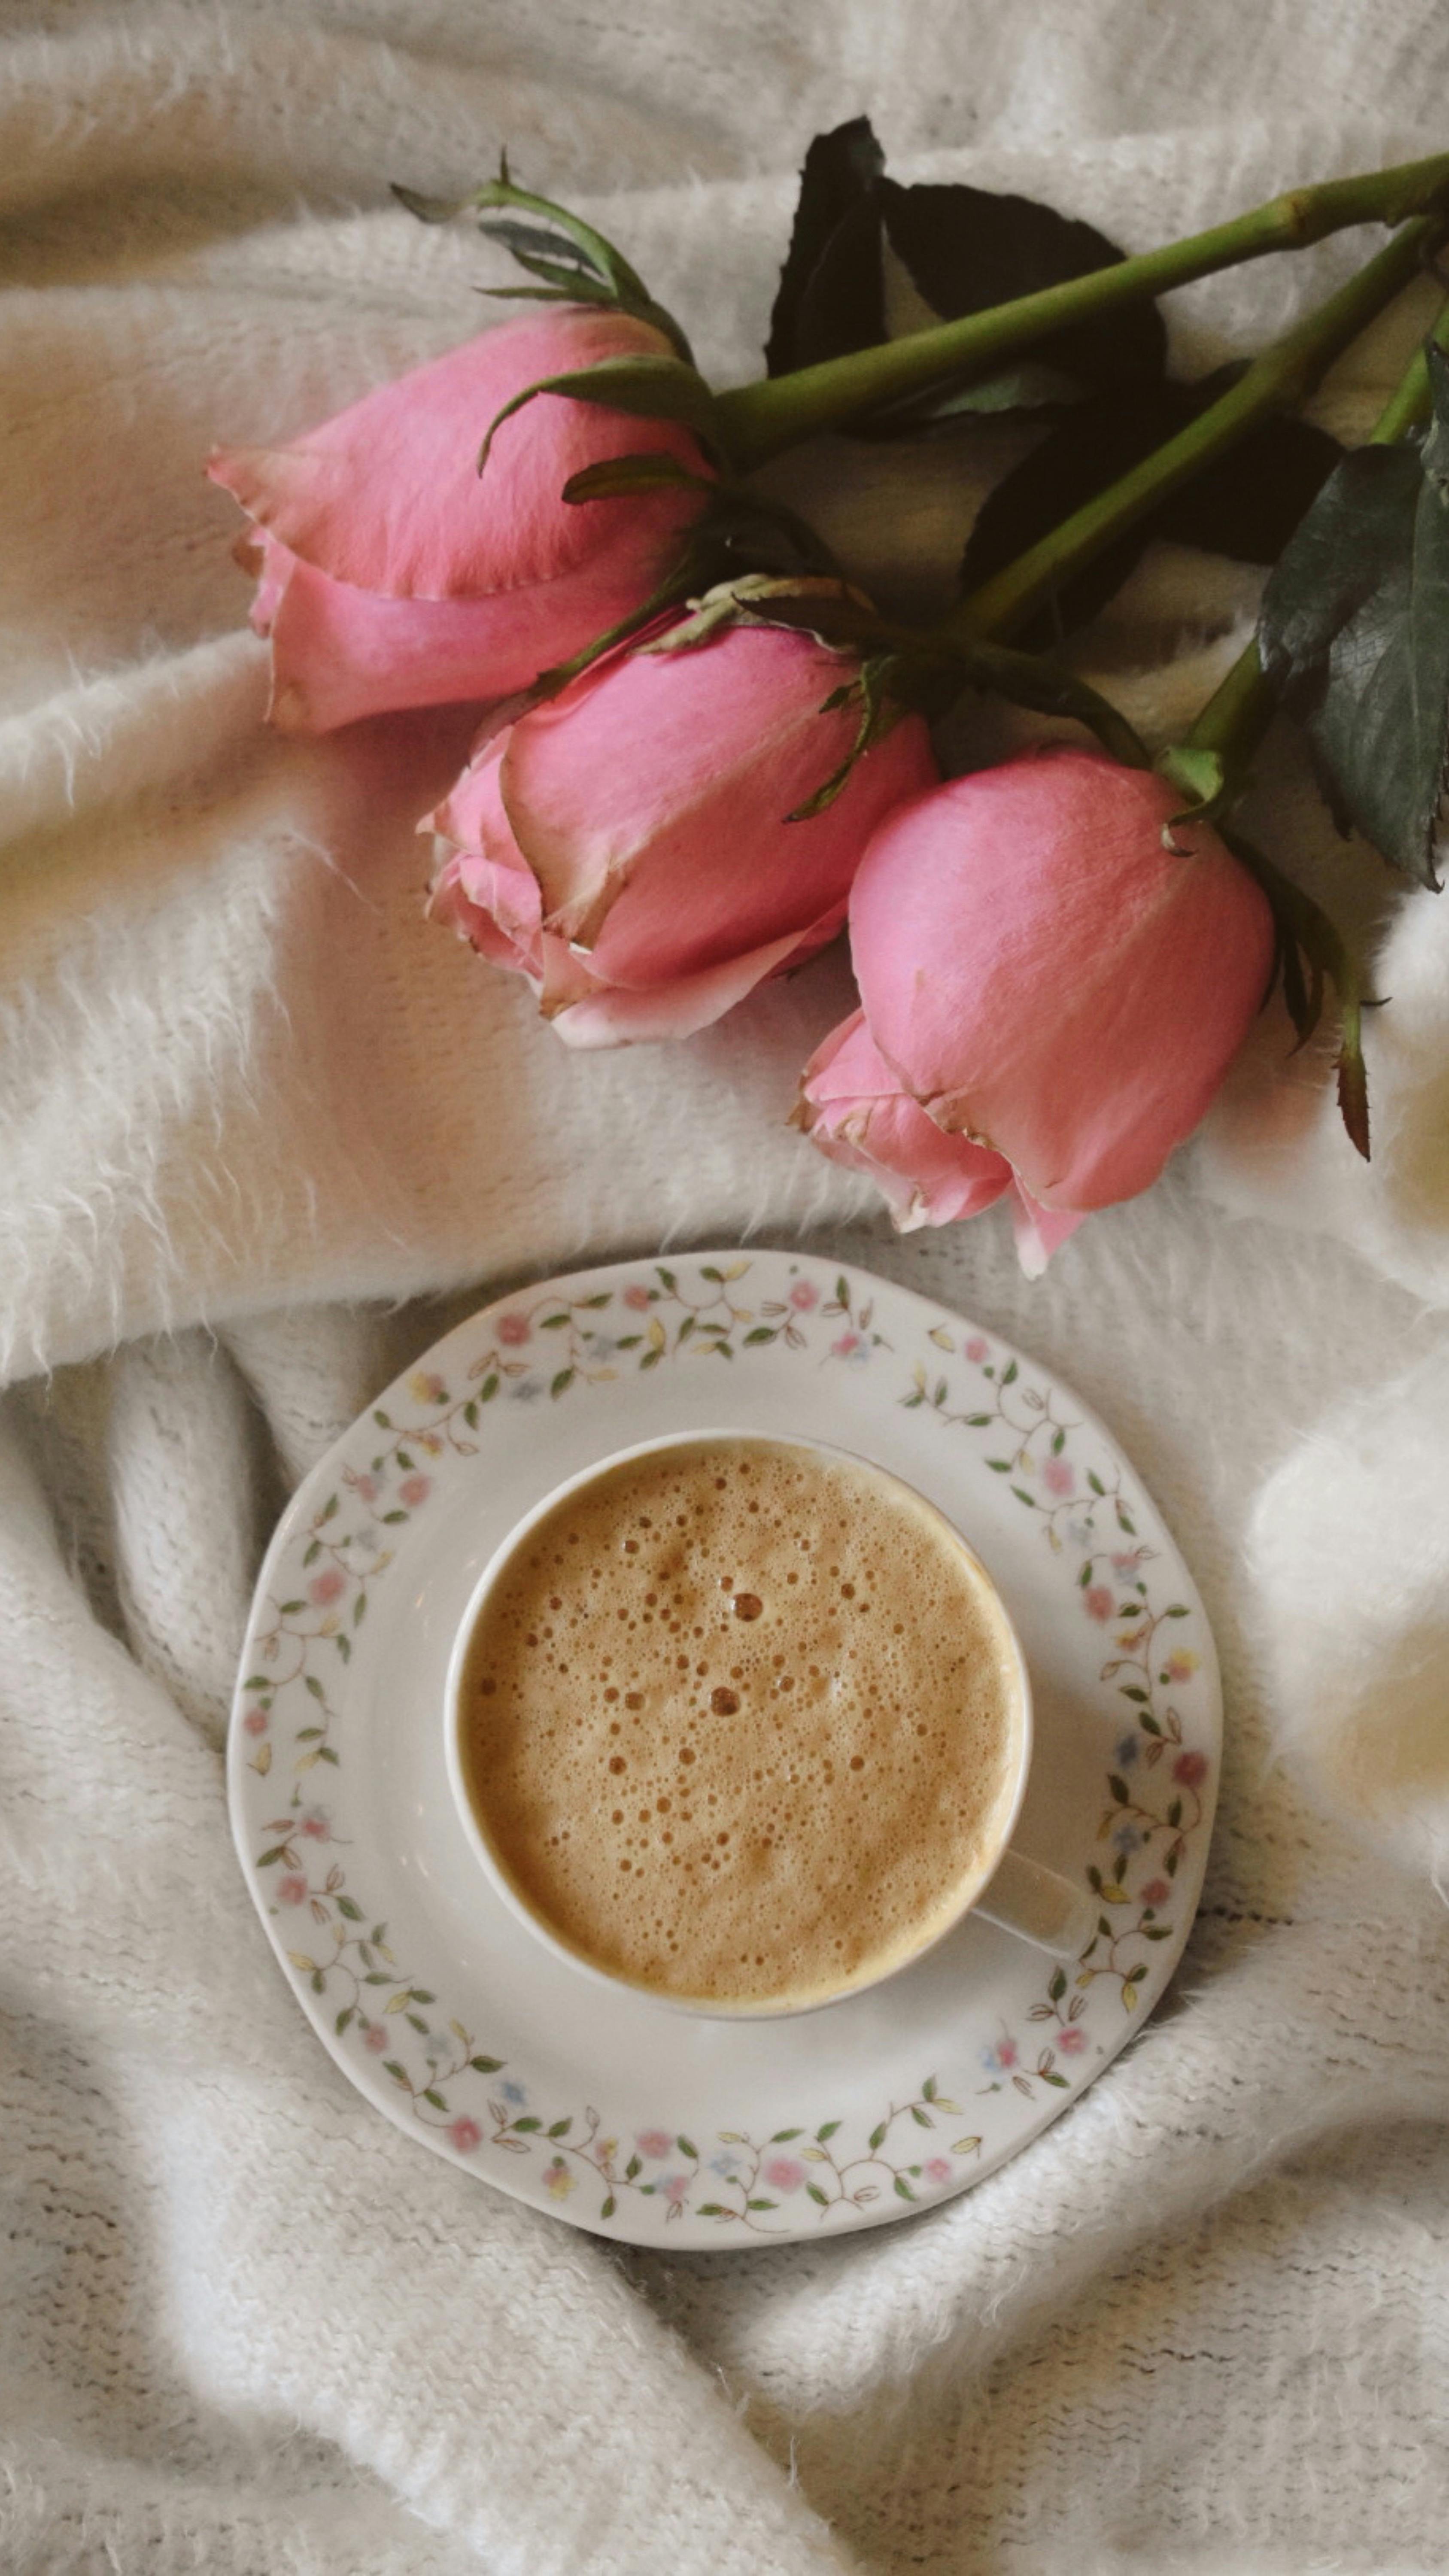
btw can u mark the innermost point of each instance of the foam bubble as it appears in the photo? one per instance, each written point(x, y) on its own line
point(843, 1783)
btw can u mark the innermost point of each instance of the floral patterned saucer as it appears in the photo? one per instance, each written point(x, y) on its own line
point(444, 2011)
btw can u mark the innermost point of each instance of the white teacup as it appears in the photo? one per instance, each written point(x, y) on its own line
point(1006, 1888)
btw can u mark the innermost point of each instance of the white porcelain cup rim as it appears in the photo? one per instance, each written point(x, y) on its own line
point(1032, 1901)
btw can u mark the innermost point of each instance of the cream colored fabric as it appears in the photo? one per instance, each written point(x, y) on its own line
point(250, 1103)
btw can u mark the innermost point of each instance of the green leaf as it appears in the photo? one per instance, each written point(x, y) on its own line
point(348, 2014)
point(1095, 1482)
point(526, 2126)
point(416, 2022)
point(1059, 1442)
point(762, 2204)
point(1119, 1789)
point(633, 2166)
point(999, 1466)
point(713, 2209)
point(436, 2098)
point(565, 1378)
point(814, 2192)
point(831, 295)
point(560, 2128)
point(686, 2149)
point(761, 1333)
point(554, 1324)
point(608, 2207)
point(359, 1610)
point(647, 387)
point(709, 1271)
point(398, 2073)
point(903, 2188)
point(308, 1734)
point(923, 2119)
point(1177, 1610)
point(928, 2089)
point(1174, 1814)
point(1058, 1985)
point(877, 2135)
point(666, 1276)
point(348, 1906)
point(312, 1551)
point(257, 1682)
point(486, 2065)
point(326, 1754)
point(1023, 1496)
point(1354, 636)
point(489, 1387)
point(781, 2135)
point(1130, 1690)
point(828, 2131)
point(313, 1685)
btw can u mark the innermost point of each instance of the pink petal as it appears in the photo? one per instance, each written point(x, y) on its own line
point(853, 1108)
point(614, 1015)
point(339, 654)
point(1047, 976)
point(387, 495)
point(677, 855)
point(1039, 1230)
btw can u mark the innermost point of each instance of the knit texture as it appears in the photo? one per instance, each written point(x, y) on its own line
point(266, 1132)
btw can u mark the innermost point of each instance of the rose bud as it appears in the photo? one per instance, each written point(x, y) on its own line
point(1053, 985)
point(392, 574)
point(626, 848)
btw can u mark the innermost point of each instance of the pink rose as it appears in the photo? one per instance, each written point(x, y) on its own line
point(1072, 2040)
point(514, 1329)
point(637, 1298)
point(366, 1486)
point(1191, 1769)
point(976, 1349)
point(937, 2169)
point(1059, 1476)
point(292, 1890)
point(255, 1721)
point(1097, 1601)
point(804, 1295)
point(784, 2173)
point(392, 575)
point(375, 2038)
point(626, 846)
point(1156, 1892)
point(327, 1585)
point(316, 1824)
point(654, 2142)
point(1051, 995)
point(414, 1490)
point(465, 2135)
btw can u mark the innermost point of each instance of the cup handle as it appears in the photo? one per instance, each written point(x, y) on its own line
point(1039, 1907)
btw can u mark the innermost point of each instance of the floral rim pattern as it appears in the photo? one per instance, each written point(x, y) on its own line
point(1156, 1797)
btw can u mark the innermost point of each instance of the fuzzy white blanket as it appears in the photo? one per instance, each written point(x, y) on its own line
point(250, 1103)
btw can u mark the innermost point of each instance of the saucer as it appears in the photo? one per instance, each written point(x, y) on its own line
point(605, 2108)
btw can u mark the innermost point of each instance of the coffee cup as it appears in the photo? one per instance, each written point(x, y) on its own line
point(549, 1751)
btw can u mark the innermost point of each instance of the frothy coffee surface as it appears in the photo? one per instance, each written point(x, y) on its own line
point(741, 1721)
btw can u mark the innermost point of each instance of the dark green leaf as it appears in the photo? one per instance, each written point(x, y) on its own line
point(526, 2126)
point(686, 2149)
point(967, 248)
point(346, 1905)
point(904, 2188)
point(830, 297)
point(486, 2065)
point(565, 1378)
point(608, 2207)
point(560, 2128)
point(1246, 506)
point(1354, 636)
point(761, 1333)
point(828, 2131)
point(762, 2204)
point(814, 2192)
point(632, 2167)
point(430, 2094)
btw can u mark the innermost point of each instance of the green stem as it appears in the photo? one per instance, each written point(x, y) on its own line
point(756, 421)
point(1242, 706)
point(1279, 379)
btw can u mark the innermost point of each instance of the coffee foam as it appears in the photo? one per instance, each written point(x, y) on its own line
point(741, 1722)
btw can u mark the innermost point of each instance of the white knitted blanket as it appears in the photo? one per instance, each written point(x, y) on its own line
point(250, 1103)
